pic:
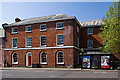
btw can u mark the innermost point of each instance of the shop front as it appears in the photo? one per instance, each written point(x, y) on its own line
point(96, 61)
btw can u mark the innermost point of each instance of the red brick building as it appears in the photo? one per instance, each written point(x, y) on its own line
point(54, 41)
point(50, 41)
point(2, 43)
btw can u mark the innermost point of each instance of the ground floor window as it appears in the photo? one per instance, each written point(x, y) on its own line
point(95, 61)
point(86, 61)
point(43, 58)
point(60, 57)
point(14, 58)
point(105, 61)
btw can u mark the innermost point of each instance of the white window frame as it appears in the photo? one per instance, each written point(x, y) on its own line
point(13, 58)
point(92, 43)
point(58, 23)
point(14, 32)
point(57, 41)
point(88, 31)
point(27, 27)
point(44, 29)
point(57, 57)
point(41, 40)
point(41, 58)
point(26, 42)
point(12, 43)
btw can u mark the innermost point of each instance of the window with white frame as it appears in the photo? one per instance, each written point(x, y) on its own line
point(14, 30)
point(60, 57)
point(28, 29)
point(77, 29)
point(90, 43)
point(28, 41)
point(43, 40)
point(43, 58)
point(90, 31)
point(14, 58)
point(14, 42)
point(59, 25)
point(60, 40)
point(43, 27)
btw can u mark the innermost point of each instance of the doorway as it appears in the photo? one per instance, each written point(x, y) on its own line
point(28, 59)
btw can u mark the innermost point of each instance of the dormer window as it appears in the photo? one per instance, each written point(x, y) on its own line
point(28, 29)
point(90, 31)
point(14, 30)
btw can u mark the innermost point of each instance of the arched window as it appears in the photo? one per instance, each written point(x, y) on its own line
point(60, 57)
point(43, 58)
point(14, 58)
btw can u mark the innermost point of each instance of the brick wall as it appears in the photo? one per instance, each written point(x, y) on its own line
point(36, 33)
point(51, 42)
point(97, 41)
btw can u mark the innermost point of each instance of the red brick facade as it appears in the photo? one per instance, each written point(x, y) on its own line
point(70, 39)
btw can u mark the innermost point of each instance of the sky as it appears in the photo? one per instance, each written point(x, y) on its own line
point(84, 11)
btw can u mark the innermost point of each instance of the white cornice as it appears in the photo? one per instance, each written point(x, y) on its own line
point(57, 47)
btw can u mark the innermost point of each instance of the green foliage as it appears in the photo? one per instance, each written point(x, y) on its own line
point(111, 30)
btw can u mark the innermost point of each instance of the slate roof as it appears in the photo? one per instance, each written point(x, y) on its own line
point(92, 23)
point(42, 19)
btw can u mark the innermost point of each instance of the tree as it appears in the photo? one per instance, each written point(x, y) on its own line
point(111, 30)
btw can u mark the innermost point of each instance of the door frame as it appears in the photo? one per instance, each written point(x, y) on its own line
point(27, 62)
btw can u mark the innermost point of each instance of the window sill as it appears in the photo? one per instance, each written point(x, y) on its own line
point(59, 45)
point(28, 46)
point(59, 28)
point(14, 33)
point(43, 30)
point(60, 63)
point(15, 63)
point(14, 47)
point(28, 31)
point(43, 63)
point(90, 33)
point(43, 45)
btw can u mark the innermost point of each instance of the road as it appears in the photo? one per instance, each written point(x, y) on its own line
point(29, 73)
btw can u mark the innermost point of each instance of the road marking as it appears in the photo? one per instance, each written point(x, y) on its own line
point(99, 72)
point(52, 76)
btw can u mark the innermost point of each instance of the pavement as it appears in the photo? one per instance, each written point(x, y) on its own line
point(53, 69)
point(59, 73)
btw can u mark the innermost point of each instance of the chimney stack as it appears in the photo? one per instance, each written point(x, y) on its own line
point(17, 20)
point(4, 25)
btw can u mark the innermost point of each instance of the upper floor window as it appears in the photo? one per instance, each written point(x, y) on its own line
point(60, 40)
point(77, 29)
point(43, 27)
point(14, 42)
point(14, 58)
point(43, 58)
point(28, 41)
point(60, 57)
point(90, 30)
point(90, 43)
point(28, 29)
point(14, 30)
point(43, 40)
point(60, 25)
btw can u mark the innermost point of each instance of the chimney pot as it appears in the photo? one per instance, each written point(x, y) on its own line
point(17, 20)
